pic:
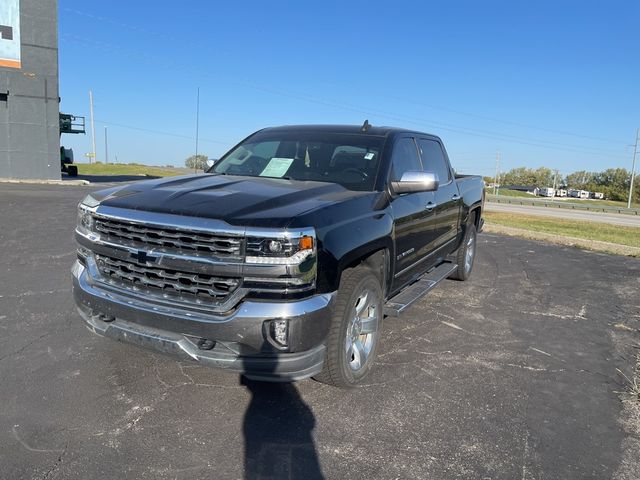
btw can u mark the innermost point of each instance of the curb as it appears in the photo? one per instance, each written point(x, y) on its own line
point(33, 181)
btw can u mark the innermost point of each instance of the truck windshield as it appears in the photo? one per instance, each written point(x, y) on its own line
point(348, 159)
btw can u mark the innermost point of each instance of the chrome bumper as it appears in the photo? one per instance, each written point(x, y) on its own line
point(240, 337)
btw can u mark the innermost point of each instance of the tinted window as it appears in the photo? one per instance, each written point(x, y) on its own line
point(404, 159)
point(433, 159)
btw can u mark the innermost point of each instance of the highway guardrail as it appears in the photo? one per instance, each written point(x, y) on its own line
point(571, 205)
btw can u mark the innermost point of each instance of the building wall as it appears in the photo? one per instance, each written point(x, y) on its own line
point(29, 117)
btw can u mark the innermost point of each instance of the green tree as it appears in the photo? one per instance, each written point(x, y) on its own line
point(544, 177)
point(196, 162)
point(581, 180)
point(613, 182)
point(540, 177)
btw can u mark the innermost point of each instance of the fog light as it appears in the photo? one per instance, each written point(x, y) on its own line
point(206, 344)
point(280, 331)
point(275, 246)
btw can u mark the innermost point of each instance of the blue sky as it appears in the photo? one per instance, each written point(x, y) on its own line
point(553, 84)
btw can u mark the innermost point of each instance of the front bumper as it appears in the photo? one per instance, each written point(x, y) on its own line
point(241, 339)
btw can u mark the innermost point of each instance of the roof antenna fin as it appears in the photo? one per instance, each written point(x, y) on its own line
point(365, 126)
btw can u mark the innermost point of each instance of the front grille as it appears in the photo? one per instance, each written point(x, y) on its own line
point(168, 239)
point(168, 283)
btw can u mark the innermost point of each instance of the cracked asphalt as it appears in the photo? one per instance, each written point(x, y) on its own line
point(511, 375)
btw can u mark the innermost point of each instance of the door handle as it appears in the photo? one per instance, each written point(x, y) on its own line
point(455, 197)
point(430, 206)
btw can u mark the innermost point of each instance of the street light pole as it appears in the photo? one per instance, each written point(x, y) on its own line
point(633, 169)
point(93, 129)
point(195, 168)
point(495, 179)
point(106, 146)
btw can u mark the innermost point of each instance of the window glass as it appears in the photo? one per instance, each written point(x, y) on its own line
point(433, 159)
point(404, 158)
point(348, 159)
point(266, 149)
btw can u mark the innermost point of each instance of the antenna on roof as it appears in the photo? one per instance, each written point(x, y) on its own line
point(365, 126)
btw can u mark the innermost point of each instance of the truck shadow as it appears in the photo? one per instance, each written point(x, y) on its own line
point(277, 430)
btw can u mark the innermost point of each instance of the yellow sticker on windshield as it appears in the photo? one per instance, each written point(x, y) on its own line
point(277, 167)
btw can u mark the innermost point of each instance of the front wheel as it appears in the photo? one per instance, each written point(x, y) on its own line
point(466, 254)
point(355, 329)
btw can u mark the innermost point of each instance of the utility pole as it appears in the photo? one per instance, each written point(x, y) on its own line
point(555, 177)
point(496, 178)
point(93, 129)
point(633, 169)
point(106, 146)
point(195, 167)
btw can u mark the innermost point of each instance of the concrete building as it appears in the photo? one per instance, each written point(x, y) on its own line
point(29, 98)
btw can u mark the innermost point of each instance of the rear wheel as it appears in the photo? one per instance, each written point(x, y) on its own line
point(355, 329)
point(466, 254)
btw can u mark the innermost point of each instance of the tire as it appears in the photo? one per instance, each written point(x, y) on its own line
point(466, 254)
point(351, 343)
point(72, 171)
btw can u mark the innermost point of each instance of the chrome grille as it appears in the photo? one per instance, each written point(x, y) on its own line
point(185, 286)
point(168, 239)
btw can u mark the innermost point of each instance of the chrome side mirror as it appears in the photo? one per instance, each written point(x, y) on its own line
point(412, 182)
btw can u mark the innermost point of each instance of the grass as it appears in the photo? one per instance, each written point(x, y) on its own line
point(602, 232)
point(511, 193)
point(611, 203)
point(633, 385)
point(129, 169)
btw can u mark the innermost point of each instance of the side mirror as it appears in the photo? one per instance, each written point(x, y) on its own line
point(412, 182)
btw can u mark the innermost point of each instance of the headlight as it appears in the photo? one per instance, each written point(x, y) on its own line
point(281, 248)
point(85, 219)
point(85, 214)
point(282, 260)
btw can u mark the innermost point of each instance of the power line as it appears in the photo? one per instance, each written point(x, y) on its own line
point(508, 122)
point(446, 109)
point(442, 126)
point(413, 120)
point(160, 132)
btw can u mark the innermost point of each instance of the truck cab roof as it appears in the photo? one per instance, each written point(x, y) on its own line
point(381, 131)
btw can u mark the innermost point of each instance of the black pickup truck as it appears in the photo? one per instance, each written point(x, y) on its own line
point(281, 261)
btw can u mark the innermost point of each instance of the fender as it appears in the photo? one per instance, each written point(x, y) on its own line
point(344, 245)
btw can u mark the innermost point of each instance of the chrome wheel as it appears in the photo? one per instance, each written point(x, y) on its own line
point(470, 252)
point(362, 329)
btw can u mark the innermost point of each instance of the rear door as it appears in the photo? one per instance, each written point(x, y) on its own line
point(413, 215)
point(447, 197)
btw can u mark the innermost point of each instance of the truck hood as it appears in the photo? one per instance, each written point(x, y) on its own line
point(237, 200)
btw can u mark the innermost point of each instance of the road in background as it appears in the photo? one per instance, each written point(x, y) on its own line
point(509, 375)
point(566, 213)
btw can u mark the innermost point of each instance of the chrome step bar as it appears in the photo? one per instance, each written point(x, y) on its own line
point(409, 295)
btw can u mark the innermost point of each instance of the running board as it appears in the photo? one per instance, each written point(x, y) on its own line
point(403, 300)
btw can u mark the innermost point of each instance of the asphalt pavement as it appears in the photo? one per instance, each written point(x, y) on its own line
point(567, 213)
point(511, 375)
